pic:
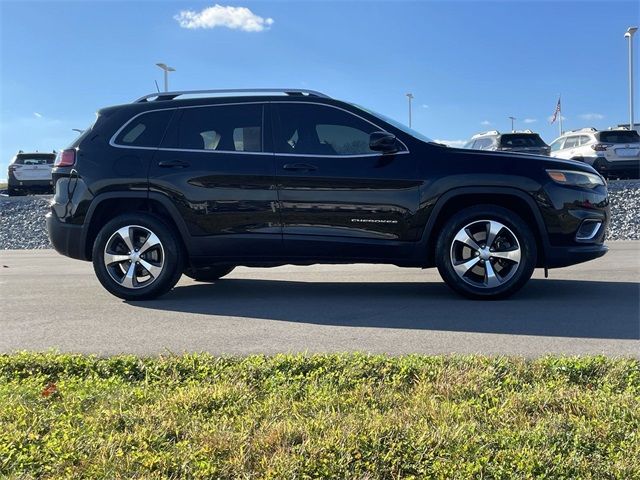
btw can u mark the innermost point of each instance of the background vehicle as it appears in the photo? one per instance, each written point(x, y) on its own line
point(30, 172)
point(524, 141)
point(613, 153)
point(170, 185)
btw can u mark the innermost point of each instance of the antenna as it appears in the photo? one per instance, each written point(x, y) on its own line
point(157, 87)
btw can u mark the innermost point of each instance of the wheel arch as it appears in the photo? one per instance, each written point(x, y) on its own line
point(106, 206)
point(456, 199)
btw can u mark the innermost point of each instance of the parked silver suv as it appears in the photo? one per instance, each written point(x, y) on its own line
point(613, 153)
point(524, 141)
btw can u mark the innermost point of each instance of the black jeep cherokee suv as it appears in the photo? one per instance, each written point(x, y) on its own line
point(197, 184)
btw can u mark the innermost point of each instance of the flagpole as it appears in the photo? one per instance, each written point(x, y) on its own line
point(560, 103)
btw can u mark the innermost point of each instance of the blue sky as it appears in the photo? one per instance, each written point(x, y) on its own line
point(469, 64)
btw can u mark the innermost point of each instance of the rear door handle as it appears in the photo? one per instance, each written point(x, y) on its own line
point(299, 167)
point(173, 164)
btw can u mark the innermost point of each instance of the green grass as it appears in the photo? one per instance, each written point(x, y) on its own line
point(322, 416)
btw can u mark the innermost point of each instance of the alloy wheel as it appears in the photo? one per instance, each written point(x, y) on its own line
point(134, 256)
point(485, 254)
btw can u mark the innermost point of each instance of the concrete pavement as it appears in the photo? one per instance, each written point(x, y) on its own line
point(50, 301)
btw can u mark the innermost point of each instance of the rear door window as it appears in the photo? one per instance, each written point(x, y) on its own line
point(584, 140)
point(221, 128)
point(571, 142)
point(145, 130)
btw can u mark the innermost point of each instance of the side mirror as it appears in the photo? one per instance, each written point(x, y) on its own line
point(384, 142)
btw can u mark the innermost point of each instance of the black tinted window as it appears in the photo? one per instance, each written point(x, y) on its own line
point(145, 130)
point(34, 159)
point(229, 128)
point(620, 136)
point(309, 129)
point(514, 140)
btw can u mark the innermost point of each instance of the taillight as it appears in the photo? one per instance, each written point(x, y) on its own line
point(66, 158)
point(13, 168)
point(599, 147)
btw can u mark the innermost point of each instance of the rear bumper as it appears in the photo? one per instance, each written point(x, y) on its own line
point(15, 183)
point(66, 239)
point(557, 257)
point(604, 166)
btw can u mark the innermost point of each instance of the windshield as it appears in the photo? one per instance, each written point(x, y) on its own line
point(396, 124)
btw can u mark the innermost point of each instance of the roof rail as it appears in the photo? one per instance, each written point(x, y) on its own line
point(585, 129)
point(488, 132)
point(212, 93)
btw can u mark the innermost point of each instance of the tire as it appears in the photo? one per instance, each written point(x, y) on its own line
point(160, 257)
point(12, 191)
point(511, 256)
point(210, 274)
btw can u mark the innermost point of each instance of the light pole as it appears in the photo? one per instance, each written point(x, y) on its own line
point(166, 69)
point(629, 34)
point(410, 97)
point(513, 119)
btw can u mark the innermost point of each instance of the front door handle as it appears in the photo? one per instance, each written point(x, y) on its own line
point(299, 167)
point(173, 164)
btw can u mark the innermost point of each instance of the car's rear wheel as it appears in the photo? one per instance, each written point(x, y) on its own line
point(210, 274)
point(486, 252)
point(137, 257)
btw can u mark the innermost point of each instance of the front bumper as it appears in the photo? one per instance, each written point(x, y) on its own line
point(66, 238)
point(556, 257)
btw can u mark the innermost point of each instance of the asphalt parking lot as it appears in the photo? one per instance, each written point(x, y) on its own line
point(52, 302)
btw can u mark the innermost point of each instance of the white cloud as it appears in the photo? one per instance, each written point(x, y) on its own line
point(223, 16)
point(37, 115)
point(486, 123)
point(424, 105)
point(591, 116)
point(530, 120)
point(452, 143)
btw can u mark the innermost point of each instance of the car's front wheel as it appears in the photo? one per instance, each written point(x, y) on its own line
point(486, 252)
point(137, 257)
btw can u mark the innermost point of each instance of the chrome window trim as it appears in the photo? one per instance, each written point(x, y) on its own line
point(112, 141)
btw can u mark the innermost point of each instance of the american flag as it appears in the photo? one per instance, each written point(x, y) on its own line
point(557, 111)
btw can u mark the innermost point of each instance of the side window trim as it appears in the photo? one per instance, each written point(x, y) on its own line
point(276, 121)
point(113, 143)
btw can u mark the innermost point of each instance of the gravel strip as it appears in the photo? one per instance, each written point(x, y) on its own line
point(22, 223)
point(625, 210)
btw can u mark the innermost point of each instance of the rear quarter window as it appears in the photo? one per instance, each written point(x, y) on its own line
point(145, 130)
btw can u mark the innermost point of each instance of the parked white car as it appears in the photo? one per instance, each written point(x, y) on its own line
point(613, 153)
point(30, 172)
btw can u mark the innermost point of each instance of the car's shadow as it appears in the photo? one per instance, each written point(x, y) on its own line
point(563, 308)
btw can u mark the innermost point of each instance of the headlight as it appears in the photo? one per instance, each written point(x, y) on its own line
point(575, 178)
